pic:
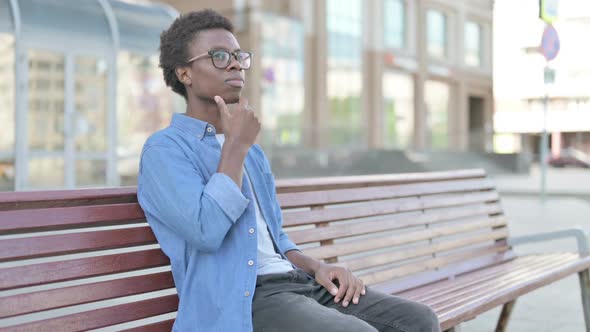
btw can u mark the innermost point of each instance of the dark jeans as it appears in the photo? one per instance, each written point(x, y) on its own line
point(294, 301)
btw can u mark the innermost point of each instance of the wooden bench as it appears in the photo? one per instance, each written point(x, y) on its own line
point(86, 259)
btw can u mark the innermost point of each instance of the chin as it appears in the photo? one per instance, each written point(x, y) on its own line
point(232, 98)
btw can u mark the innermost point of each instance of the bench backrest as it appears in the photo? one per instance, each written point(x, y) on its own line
point(86, 259)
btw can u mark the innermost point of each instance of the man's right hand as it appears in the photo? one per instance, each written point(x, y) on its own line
point(240, 124)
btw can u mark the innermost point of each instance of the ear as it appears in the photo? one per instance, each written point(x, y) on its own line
point(184, 75)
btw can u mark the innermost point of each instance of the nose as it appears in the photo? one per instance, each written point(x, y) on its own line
point(234, 64)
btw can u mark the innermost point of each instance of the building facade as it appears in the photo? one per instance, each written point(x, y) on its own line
point(81, 87)
point(376, 74)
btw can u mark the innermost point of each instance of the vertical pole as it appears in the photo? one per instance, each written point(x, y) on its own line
point(544, 143)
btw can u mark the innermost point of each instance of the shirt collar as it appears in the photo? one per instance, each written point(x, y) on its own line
point(192, 126)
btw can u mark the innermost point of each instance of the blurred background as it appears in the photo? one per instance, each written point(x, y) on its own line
point(341, 86)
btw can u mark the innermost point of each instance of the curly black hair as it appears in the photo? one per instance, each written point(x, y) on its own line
point(174, 42)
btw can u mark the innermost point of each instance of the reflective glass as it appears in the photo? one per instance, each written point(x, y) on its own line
point(344, 77)
point(46, 101)
point(46, 173)
point(90, 122)
point(398, 119)
point(473, 44)
point(144, 105)
point(283, 93)
point(437, 95)
point(436, 37)
point(394, 23)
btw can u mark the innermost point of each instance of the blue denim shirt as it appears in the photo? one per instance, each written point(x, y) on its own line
point(206, 224)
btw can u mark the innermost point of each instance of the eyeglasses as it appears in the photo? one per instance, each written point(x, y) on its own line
point(222, 58)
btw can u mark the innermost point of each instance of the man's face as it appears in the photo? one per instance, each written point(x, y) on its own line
point(207, 81)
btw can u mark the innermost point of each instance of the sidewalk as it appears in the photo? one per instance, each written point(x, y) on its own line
point(565, 182)
point(556, 307)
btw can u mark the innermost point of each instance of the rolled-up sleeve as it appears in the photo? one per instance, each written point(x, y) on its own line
point(173, 194)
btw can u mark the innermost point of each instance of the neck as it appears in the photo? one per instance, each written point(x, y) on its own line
point(204, 109)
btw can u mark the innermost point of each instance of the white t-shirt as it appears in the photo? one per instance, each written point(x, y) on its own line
point(269, 261)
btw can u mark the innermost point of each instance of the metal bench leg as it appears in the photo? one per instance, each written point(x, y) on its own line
point(505, 316)
point(454, 329)
point(585, 289)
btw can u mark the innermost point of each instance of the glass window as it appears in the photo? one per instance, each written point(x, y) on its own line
point(7, 111)
point(46, 101)
point(144, 105)
point(91, 104)
point(473, 44)
point(437, 97)
point(283, 93)
point(344, 25)
point(398, 117)
point(46, 173)
point(436, 33)
point(394, 19)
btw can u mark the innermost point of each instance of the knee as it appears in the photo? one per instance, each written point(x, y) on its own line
point(428, 319)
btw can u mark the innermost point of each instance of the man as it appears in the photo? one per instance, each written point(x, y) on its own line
point(209, 196)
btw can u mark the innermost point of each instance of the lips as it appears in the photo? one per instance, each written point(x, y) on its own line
point(235, 82)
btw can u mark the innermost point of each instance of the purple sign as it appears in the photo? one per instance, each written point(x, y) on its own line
point(550, 43)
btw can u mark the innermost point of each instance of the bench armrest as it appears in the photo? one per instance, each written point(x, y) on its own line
point(577, 233)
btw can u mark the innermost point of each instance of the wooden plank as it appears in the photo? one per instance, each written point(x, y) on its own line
point(307, 184)
point(55, 198)
point(456, 280)
point(298, 218)
point(430, 292)
point(43, 273)
point(429, 264)
point(357, 246)
point(509, 279)
point(21, 304)
point(339, 196)
point(400, 255)
point(47, 245)
point(390, 222)
point(418, 280)
point(163, 326)
point(473, 308)
point(443, 300)
point(67, 217)
point(102, 317)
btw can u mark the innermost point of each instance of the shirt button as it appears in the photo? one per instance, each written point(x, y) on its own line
point(209, 129)
point(250, 262)
point(246, 293)
point(251, 231)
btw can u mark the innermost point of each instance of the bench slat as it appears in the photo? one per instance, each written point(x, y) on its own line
point(162, 326)
point(102, 317)
point(57, 298)
point(298, 218)
point(44, 273)
point(335, 182)
point(70, 197)
point(357, 246)
point(39, 246)
point(427, 293)
point(479, 273)
point(429, 264)
point(471, 309)
point(467, 294)
point(339, 196)
point(390, 223)
point(59, 218)
point(396, 256)
point(418, 280)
